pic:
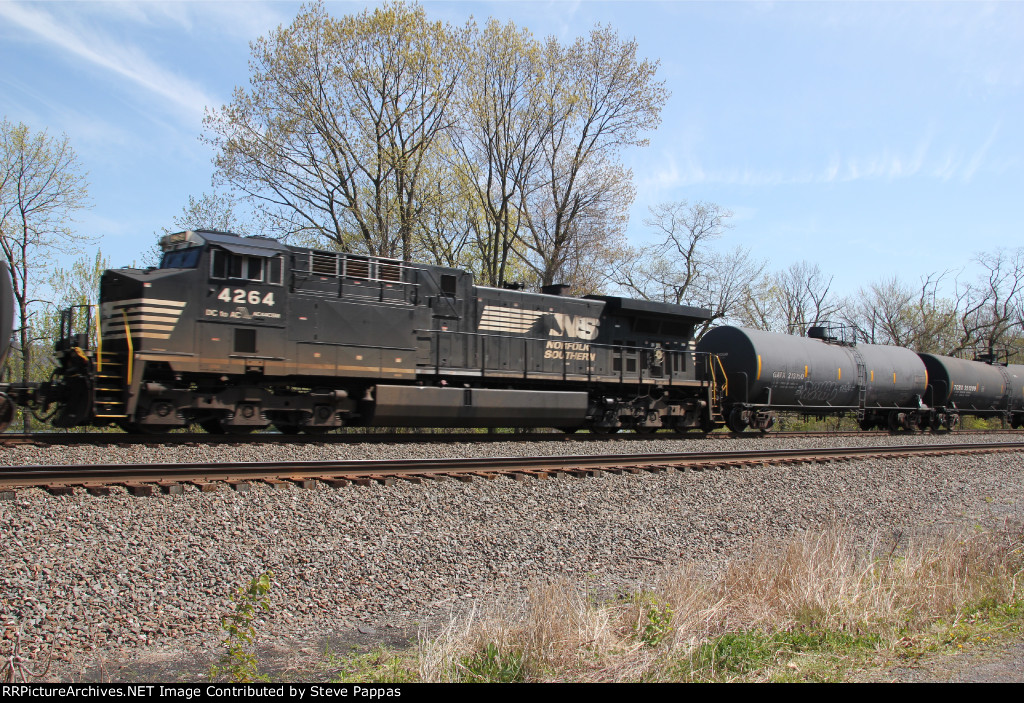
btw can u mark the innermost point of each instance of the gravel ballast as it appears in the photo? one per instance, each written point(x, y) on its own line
point(106, 576)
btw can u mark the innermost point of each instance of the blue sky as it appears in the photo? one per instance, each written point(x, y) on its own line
point(874, 139)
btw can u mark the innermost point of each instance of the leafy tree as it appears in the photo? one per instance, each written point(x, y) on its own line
point(496, 149)
point(41, 187)
point(392, 135)
point(600, 98)
point(215, 211)
point(332, 137)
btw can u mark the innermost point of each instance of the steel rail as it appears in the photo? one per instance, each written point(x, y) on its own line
point(44, 439)
point(26, 476)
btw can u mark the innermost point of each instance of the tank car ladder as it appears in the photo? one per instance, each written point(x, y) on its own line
point(862, 384)
point(718, 389)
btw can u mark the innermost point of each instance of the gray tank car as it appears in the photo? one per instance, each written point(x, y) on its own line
point(959, 386)
point(816, 375)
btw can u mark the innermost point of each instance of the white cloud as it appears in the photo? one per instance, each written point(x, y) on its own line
point(123, 60)
point(975, 163)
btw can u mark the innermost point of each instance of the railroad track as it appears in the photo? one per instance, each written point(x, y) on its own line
point(48, 439)
point(150, 479)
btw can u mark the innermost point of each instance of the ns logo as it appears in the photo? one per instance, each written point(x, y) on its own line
point(576, 327)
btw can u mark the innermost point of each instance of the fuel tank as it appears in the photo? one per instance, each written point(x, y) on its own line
point(780, 370)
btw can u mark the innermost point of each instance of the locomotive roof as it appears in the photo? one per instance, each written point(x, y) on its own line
point(629, 307)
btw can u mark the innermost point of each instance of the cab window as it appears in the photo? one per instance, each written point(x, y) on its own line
point(181, 258)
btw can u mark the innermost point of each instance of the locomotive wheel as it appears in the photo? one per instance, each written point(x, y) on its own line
point(567, 430)
point(143, 428)
point(6, 411)
point(604, 430)
point(288, 429)
point(216, 426)
point(640, 429)
point(212, 426)
point(317, 429)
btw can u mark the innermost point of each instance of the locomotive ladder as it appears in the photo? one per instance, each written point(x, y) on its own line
point(862, 384)
point(109, 393)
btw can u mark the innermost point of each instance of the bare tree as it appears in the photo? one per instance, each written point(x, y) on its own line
point(41, 187)
point(988, 320)
point(682, 266)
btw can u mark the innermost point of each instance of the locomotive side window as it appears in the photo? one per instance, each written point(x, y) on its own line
point(224, 264)
point(448, 284)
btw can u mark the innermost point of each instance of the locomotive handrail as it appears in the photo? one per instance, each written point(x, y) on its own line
point(99, 339)
point(131, 347)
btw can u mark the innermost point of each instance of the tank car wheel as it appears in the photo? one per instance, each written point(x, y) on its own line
point(894, 422)
point(604, 430)
point(735, 421)
point(867, 424)
point(645, 430)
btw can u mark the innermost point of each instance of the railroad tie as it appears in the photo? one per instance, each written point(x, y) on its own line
point(141, 490)
point(59, 489)
point(411, 479)
point(240, 486)
point(303, 482)
point(171, 487)
point(580, 473)
point(205, 486)
point(96, 489)
point(7, 494)
point(336, 482)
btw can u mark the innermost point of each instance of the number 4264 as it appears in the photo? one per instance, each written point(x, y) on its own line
point(240, 295)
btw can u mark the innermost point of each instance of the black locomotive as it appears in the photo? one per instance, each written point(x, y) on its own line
point(239, 333)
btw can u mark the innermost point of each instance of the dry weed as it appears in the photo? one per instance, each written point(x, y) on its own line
point(818, 582)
